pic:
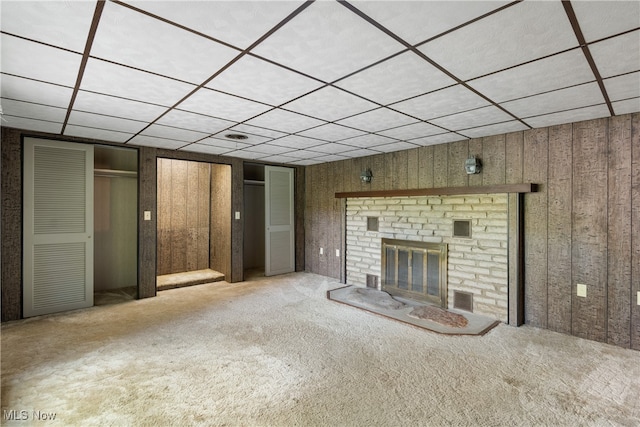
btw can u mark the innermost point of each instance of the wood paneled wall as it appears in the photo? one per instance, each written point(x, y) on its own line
point(582, 226)
point(220, 213)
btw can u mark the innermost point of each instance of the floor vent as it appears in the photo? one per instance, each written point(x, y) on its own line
point(372, 281)
point(463, 301)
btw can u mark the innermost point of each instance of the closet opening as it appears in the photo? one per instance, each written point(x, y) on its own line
point(254, 221)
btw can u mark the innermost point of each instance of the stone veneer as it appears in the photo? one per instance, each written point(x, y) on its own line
point(478, 265)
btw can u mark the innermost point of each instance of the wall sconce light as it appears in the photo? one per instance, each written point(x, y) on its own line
point(473, 165)
point(366, 176)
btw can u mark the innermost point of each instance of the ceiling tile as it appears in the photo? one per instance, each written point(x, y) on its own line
point(622, 87)
point(60, 23)
point(563, 99)
point(568, 69)
point(212, 103)
point(239, 23)
point(331, 158)
point(438, 139)
point(110, 79)
point(332, 132)
point(111, 105)
point(194, 121)
point(599, 19)
point(520, 33)
point(268, 149)
point(131, 38)
point(262, 81)
point(416, 21)
point(152, 141)
point(177, 134)
point(297, 142)
point(617, 55)
point(103, 122)
point(40, 62)
point(396, 79)
point(243, 154)
point(578, 115)
point(255, 130)
point(280, 159)
point(205, 148)
point(360, 152)
point(30, 124)
point(367, 141)
point(496, 129)
point(438, 104)
point(33, 111)
point(284, 121)
point(307, 162)
point(395, 146)
point(468, 119)
point(412, 131)
point(626, 106)
point(22, 89)
point(94, 133)
point(251, 139)
point(327, 41)
point(227, 144)
point(304, 154)
point(377, 120)
point(332, 148)
point(330, 104)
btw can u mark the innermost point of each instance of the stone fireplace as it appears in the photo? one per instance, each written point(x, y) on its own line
point(475, 265)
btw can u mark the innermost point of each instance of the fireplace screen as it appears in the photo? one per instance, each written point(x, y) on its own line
point(415, 270)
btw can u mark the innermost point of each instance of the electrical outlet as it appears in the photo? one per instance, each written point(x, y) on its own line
point(321, 251)
point(337, 252)
point(581, 290)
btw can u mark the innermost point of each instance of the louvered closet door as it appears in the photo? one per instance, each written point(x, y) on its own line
point(58, 226)
point(280, 229)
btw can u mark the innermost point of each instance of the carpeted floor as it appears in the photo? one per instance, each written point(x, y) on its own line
point(276, 352)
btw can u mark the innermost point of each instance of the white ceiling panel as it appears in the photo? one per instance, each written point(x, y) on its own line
point(327, 41)
point(262, 81)
point(599, 19)
point(194, 121)
point(268, 149)
point(548, 74)
point(377, 120)
point(412, 131)
point(304, 154)
point(251, 139)
point(495, 129)
point(416, 21)
point(60, 23)
point(334, 148)
point(626, 106)
point(296, 142)
point(33, 111)
point(360, 152)
point(367, 141)
point(330, 104)
point(285, 121)
point(31, 124)
point(239, 23)
point(259, 131)
point(438, 139)
point(588, 113)
point(480, 117)
point(574, 97)
point(438, 104)
point(526, 31)
point(331, 158)
point(107, 78)
point(617, 55)
point(396, 146)
point(227, 144)
point(40, 62)
point(243, 154)
point(332, 132)
point(212, 103)
point(100, 121)
point(34, 91)
point(399, 78)
point(305, 162)
point(173, 133)
point(206, 149)
point(622, 87)
point(111, 105)
point(131, 38)
point(152, 141)
point(279, 159)
point(94, 133)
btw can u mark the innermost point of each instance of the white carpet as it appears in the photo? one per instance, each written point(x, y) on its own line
point(276, 352)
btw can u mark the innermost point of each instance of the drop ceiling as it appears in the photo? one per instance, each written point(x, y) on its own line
point(312, 82)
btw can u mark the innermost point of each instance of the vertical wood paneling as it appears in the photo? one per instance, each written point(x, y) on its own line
point(237, 226)
point(377, 165)
point(559, 228)
point(310, 219)
point(475, 149)
point(514, 157)
point(440, 165)
point(191, 205)
point(221, 205)
point(164, 216)
point(300, 203)
point(493, 160)
point(536, 144)
point(322, 222)
point(399, 170)
point(204, 209)
point(178, 216)
point(589, 230)
point(619, 232)
point(425, 167)
point(635, 230)
point(456, 174)
point(412, 168)
point(147, 230)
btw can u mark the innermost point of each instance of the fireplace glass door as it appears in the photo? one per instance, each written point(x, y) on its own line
point(415, 270)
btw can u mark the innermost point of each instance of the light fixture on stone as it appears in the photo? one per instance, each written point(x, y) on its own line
point(473, 165)
point(366, 176)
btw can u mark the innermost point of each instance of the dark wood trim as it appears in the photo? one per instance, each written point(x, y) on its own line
point(516, 260)
point(443, 191)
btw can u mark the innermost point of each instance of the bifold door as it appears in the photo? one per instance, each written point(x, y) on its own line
point(279, 220)
point(58, 226)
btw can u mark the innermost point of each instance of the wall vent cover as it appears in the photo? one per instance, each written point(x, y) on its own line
point(372, 281)
point(462, 228)
point(372, 223)
point(463, 301)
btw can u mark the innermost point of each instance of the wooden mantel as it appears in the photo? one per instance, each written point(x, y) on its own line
point(442, 191)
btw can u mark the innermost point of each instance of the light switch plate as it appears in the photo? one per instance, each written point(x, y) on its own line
point(321, 251)
point(638, 297)
point(147, 215)
point(237, 215)
point(337, 252)
point(581, 290)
